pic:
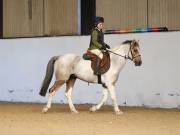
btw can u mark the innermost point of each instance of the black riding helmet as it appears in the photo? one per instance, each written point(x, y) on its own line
point(98, 20)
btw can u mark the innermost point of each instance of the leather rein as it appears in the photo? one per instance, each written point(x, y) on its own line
point(125, 56)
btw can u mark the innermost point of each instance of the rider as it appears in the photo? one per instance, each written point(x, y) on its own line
point(97, 41)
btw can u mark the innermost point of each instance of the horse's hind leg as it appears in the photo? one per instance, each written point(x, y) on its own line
point(102, 102)
point(52, 91)
point(69, 88)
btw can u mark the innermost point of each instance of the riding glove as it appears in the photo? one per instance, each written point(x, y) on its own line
point(107, 46)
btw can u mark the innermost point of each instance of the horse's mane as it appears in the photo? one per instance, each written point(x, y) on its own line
point(125, 42)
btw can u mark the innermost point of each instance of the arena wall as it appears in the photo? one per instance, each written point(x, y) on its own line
point(154, 84)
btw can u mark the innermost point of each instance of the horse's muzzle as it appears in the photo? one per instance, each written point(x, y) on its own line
point(139, 63)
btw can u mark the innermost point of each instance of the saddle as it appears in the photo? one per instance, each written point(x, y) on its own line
point(104, 63)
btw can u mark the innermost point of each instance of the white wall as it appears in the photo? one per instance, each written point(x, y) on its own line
point(155, 84)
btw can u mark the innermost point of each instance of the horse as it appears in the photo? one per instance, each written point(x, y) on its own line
point(69, 67)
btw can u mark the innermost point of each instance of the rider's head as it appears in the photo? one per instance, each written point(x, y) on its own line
point(99, 22)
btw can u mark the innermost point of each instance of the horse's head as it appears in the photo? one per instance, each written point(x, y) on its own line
point(134, 53)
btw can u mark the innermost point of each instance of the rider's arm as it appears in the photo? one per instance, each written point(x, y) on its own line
point(94, 40)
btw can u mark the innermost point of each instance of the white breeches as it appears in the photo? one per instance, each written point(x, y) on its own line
point(97, 52)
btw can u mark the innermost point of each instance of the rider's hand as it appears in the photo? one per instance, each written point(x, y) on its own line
point(107, 46)
point(103, 47)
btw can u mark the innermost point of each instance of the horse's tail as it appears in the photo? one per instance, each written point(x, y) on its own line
point(48, 76)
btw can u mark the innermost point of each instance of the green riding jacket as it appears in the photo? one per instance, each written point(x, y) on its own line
point(97, 39)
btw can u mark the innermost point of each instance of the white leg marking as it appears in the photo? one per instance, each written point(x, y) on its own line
point(111, 89)
point(68, 95)
point(48, 106)
point(102, 102)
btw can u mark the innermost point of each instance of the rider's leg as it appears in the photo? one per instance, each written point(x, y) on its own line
point(99, 55)
point(96, 72)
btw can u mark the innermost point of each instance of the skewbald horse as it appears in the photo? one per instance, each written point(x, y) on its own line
point(69, 67)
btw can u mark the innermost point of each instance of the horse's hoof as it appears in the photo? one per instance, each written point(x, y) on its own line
point(93, 109)
point(119, 113)
point(74, 112)
point(44, 110)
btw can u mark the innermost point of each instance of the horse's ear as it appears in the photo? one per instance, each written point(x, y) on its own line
point(133, 41)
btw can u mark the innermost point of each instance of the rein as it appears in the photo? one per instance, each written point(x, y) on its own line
point(126, 57)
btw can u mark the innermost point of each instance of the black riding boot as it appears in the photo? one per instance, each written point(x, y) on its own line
point(96, 72)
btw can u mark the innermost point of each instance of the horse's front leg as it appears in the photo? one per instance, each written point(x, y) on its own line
point(112, 92)
point(102, 102)
point(69, 88)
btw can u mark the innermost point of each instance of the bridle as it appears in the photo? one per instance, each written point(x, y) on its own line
point(126, 56)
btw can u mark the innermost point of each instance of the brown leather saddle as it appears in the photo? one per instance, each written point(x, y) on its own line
point(104, 63)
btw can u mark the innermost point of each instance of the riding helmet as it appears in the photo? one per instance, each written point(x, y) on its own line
point(98, 20)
